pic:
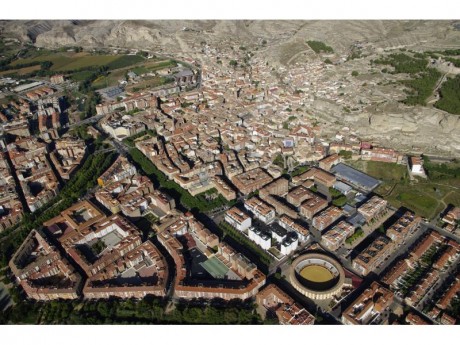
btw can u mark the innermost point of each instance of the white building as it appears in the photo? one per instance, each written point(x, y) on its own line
point(260, 238)
point(416, 166)
point(238, 219)
point(278, 233)
point(290, 244)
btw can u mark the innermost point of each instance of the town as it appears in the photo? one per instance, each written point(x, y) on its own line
point(199, 180)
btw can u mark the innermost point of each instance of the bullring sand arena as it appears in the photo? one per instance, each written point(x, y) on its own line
point(317, 276)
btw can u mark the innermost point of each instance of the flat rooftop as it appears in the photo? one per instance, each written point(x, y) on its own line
point(355, 177)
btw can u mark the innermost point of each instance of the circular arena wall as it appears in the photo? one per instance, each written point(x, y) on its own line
point(317, 276)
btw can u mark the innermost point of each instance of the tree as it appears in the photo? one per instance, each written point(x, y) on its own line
point(233, 63)
point(46, 65)
point(354, 73)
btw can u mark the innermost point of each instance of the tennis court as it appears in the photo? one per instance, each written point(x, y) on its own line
point(215, 268)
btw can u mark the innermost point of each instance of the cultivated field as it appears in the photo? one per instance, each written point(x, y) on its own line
point(73, 61)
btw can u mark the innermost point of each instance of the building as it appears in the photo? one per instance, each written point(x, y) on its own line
point(369, 306)
point(42, 272)
point(423, 286)
point(111, 253)
point(289, 244)
point(373, 208)
point(312, 206)
point(446, 319)
point(396, 272)
point(260, 238)
point(319, 176)
point(326, 218)
point(449, 295)
point(336, 236)
point(328, 162)
point(223, 188)
point(274, 301)
point(121, 127)
point(291, 226)
point(453, 216)
point(67, 156)
point(371, 257)
point(37, 179)
point(380, 154)
point(281, 207)
point(278, 187)
point(405, 225)
point(57, 79)
point(414, 319)
point(251, 180)
point(118, 171)
point(238, 219)
point(355, 177)
point(278, 233)
point(298, 195)
point(260, 209)
point(416, 166)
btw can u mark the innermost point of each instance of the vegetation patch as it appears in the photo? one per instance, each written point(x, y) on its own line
point(450, 96)
point(423, 79)
point(319, 47)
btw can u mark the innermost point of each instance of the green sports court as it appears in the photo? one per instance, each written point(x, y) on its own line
point(215, 268)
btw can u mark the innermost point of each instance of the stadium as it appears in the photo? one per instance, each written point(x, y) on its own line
point(317, 276)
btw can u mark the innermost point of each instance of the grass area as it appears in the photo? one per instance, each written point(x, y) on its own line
point(139, 70)
point(125, 61)
point(149, 82)
point(425, 197)
point(387, 171)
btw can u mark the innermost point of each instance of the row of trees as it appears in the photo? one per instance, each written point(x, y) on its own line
point(150, 310)
point(172, 188)
point(441, 171)
point(262, 258)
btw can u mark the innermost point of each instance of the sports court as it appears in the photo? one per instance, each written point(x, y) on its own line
point(215, 268)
